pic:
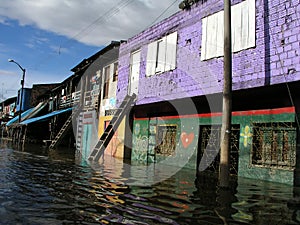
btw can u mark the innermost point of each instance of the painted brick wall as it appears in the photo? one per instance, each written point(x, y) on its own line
point(275, 59)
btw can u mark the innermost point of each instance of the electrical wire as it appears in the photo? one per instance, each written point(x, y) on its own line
point(86, 30)
point(100, 20)
point(122, 4)
point(103, 18)
point(160, 15)
point(282, 68)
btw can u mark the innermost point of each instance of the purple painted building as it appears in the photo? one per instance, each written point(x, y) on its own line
point(273, 59)
point(176, 69)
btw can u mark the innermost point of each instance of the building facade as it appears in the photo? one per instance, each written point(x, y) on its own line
point(176, 69)
point(98, 87)
point(7, 109)
point(26, 96)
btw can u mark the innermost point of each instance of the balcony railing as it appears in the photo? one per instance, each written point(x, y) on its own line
point(91, 99)
point(70, 100)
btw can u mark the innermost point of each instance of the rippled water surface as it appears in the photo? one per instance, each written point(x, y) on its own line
point(41, 187)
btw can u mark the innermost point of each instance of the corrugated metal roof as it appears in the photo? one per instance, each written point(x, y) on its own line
point(45, 117)
point(23, 114)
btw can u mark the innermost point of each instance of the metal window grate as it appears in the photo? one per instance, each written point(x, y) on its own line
point(274, 144)
point(209, 143)
point(166, 140)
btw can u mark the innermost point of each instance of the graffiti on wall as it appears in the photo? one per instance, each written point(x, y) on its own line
point(246, 135)
point(187, 139)
point(140, 148)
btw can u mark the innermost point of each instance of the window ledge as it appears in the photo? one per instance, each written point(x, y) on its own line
point(278, 167)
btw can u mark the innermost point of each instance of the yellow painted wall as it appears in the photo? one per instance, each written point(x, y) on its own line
point(116, 145)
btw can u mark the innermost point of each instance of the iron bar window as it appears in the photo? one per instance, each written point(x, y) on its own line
point(274, 145)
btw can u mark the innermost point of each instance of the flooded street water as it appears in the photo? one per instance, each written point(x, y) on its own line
point(41, 187)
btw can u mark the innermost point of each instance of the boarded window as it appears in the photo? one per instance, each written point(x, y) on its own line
point(134, 72)
point(242, 30)
point(166, 140)
point(106, 81)
point(161, 55)
point(274, 145)
point(115, 72)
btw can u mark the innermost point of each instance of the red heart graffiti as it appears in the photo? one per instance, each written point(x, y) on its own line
point(186, 139)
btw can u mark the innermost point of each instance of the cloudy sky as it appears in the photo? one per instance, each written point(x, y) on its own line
point(49, 37)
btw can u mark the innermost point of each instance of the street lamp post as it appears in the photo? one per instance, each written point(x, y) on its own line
point(22, 86)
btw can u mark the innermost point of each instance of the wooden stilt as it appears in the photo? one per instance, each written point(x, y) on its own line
point(19, 130)
point(24, 136)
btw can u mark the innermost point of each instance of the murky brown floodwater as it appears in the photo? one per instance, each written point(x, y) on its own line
point(40, 187)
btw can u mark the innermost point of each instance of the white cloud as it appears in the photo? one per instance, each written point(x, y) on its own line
point(6, 73)
point(36, 41)
point(4, 21)
point(9, 81)
point(93, 22)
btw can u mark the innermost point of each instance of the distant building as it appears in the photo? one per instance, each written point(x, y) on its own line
point(7, 109)
point(26, 98)
point(39, 90)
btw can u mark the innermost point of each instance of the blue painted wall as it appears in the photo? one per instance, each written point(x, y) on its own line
point(25, 101)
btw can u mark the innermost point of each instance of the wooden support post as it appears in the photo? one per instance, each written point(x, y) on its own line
point(24, 136)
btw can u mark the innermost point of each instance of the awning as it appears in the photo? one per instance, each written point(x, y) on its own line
point(36, 110)
point(28, 113)
point(16, 119)
point(45, 117)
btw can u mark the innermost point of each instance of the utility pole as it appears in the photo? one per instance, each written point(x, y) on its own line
point(227, 100)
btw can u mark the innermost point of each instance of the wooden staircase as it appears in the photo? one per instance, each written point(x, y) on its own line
point(61, 134)
point(112, 127)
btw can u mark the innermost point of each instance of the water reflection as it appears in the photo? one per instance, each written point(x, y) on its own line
point(54, 187)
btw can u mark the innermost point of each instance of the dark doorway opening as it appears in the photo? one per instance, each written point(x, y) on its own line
point(208, 155)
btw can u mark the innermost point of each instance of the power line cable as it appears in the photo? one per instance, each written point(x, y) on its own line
point(103, 18)
point(160, 15)
point(83, 32)
point(282, 67)
point(100, 20)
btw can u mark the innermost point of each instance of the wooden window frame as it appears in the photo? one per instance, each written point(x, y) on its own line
point(106, 81)
point(115, 71)
point(161, 55)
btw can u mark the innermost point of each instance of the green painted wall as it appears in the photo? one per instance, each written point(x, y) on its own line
point(86, 140)
point(246, 169)
point(187, 144)
point(184, 152)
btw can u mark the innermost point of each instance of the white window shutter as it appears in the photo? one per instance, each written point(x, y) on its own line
point(212, 43)
point(212, 26)
point(245, 26)
point(251, 23)
point(171, 51)
point(204, 39)
point(161, 55)
point(242, 30)
point(135, 72)
point(151, 58)
point(220, 34)
point(236, 27)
